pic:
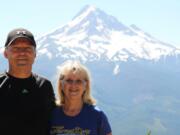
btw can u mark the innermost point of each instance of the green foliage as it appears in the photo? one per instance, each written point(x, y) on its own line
point(149, 132)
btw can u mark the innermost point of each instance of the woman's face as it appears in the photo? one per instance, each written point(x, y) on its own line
point(74, 87)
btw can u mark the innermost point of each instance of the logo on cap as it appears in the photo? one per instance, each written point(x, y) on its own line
point(21, 32)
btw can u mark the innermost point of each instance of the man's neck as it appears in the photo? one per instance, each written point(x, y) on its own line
point(20, 73)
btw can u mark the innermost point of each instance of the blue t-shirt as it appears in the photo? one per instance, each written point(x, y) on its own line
point(90, 121)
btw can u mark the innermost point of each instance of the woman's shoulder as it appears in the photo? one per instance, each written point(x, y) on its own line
point(93, 109)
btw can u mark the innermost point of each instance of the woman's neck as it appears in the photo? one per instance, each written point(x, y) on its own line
point(72, 108)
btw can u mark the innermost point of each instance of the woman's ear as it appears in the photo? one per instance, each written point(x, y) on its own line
point(62, 86)
point(84, 86)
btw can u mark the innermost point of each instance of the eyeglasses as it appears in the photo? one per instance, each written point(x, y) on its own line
point(76, 82)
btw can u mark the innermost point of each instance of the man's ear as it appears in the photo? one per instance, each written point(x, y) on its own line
point(35, 53)
point(5, 53)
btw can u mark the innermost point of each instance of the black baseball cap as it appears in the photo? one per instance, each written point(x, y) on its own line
point(19, 33)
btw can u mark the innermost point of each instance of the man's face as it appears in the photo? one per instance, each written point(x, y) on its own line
point(21, 53)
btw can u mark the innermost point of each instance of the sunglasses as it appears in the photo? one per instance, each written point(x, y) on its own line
point(76, 82)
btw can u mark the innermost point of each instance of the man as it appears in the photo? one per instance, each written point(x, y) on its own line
point(26, 99)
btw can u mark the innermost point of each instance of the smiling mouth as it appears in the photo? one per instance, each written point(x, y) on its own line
point(73, 92)
point(22, 62)
point(23, 59)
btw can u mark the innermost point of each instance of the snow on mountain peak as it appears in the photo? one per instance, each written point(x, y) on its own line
point(93, 34)
point(85, 11)
point(96, 21)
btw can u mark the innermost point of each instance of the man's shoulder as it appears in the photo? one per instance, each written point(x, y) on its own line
point(2, 76)
point(40, 78)
point(37, 76)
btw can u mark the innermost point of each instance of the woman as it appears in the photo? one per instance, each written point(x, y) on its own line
point(76, 113)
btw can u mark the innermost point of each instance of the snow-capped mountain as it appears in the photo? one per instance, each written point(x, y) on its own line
point(93, 34)
point(135, 77)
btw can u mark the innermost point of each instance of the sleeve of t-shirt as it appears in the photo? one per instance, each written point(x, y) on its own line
point(105, 127)
point(50, 96)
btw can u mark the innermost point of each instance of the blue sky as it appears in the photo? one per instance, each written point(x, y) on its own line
point(160, 18)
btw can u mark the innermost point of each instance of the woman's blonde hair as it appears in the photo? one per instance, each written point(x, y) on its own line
point(77, 68)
